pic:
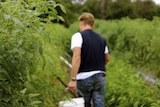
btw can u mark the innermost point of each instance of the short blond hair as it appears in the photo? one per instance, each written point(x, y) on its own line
point(87, 18)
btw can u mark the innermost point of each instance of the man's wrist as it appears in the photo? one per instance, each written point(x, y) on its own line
point(73, 79)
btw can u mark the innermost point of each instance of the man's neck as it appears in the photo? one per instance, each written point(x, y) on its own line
point(87, 27)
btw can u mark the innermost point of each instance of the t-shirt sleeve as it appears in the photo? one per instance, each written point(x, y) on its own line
point(106, 50)
point(76, 40)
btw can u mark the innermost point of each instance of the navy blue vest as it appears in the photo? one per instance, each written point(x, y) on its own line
point(92, 52)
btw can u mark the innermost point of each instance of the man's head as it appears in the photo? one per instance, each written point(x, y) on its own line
point(86, 19)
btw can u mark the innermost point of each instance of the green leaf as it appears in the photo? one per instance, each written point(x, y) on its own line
point(18, 22)
point(23, 91)
point(20, 41)
point(33, 95)
point(2, 31)
point(36, 102)
point(61, 18)
point(7, 99)
point(62, 8)
point(6, 16)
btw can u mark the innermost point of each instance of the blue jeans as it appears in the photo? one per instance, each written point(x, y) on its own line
point(93, 89)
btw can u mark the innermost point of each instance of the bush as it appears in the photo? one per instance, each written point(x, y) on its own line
point(134, 41)
point(125, 88)
point(21, 50)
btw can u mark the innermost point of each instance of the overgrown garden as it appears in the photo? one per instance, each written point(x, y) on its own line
point(30, 52)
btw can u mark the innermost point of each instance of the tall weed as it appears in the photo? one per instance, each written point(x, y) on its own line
point(125, 88)
point(135, 41)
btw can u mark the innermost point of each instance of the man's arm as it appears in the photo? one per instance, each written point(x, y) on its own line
point(107, 57)
point(76, 60)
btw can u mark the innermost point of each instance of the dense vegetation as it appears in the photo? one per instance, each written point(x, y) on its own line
point(134, 41)
point(30, 53)
point(126, 89)
point(112, 9)
point(21, 50)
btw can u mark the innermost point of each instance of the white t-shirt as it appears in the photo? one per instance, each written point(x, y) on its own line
point(77, 41)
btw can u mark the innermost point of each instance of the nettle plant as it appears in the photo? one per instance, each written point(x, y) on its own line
point(20, 48)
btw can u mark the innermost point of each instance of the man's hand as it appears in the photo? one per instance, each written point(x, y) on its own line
point(72, 85)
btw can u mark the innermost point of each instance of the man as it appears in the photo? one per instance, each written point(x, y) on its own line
point(90, 54)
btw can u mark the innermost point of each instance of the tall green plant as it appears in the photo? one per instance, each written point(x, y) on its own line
point(20, 47)
point(135, 41)
point(45, 81)
point(125, 88)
